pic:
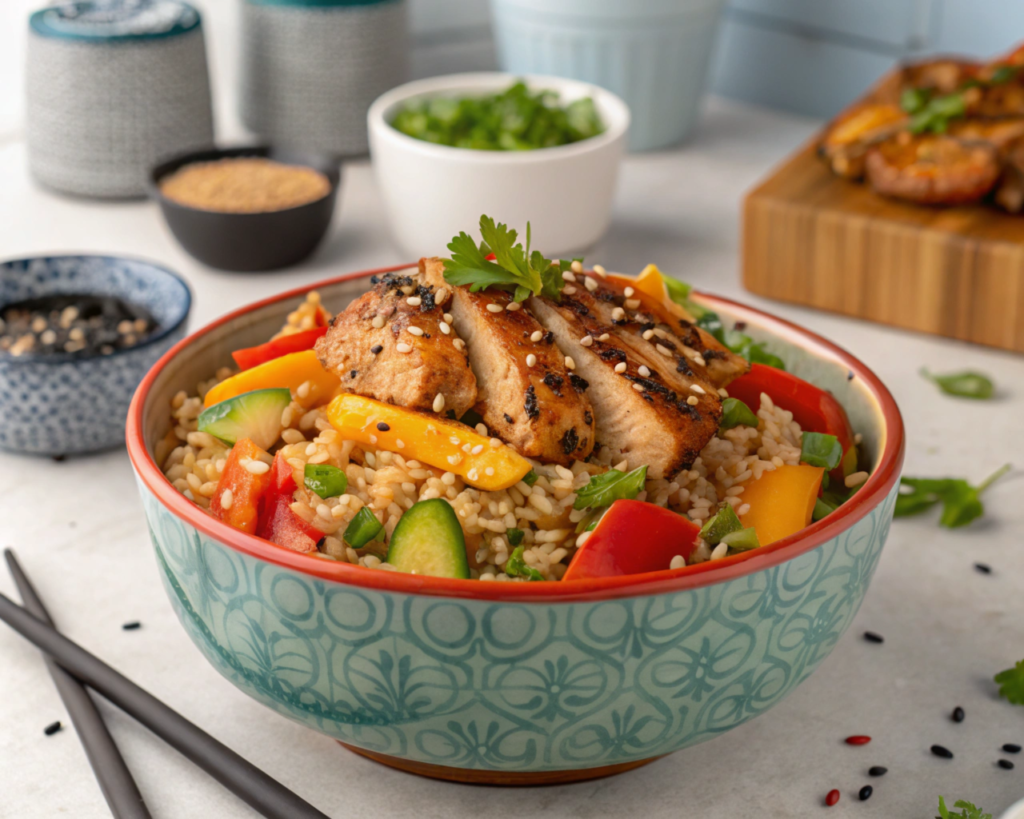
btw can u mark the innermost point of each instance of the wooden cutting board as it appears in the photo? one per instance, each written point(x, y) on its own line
point(812, 238)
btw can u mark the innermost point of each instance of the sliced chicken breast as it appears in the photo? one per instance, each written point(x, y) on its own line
point(527, 395)
point(393, 344)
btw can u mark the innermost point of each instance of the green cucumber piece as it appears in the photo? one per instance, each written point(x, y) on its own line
point(363, 528)
point(428, 540)
point(720, 525)
point(254, 415)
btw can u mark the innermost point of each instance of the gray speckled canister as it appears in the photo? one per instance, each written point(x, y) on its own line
point(111, 88)
point(311, 68)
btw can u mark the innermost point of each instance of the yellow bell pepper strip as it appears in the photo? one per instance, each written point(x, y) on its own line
point(781, 501)
point(429, 438)
point(291, 371)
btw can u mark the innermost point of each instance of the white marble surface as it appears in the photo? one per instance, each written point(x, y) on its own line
point(79, 529)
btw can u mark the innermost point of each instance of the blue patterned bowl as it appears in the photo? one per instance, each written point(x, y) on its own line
point(515, 682)
point(73, 403)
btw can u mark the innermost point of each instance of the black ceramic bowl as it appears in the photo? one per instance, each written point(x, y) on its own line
point(249, 241)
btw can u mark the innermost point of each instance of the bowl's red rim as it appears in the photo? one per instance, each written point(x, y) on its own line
point(873, 493)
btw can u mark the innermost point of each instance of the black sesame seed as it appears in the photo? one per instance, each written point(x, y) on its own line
point(849, 375)
point(958, 714)
point(52, 728)
point(877, 770)
point(865, 793)
point(132, 626)
point(1005, 764)
point(509, 419)
point(984, 568)
point(382, 426)
point(939, 750)
point(58, 458)
point(1011, 748)
point(740, 326)
point(871, 637)
point(376, 348)
point(353, 373)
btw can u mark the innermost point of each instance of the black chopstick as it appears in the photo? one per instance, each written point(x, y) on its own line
point(115, 780)
point(266, 795)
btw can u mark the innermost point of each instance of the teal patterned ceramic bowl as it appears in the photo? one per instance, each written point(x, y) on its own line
point(516, 682)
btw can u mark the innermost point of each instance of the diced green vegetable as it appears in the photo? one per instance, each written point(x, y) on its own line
point(961, 502)
point(613, 485)
point(516, 566)
point(743, 540)
point(736, 414)
point(325, 480)
point(363, 528)
point(428, 540)
point(254, 415)
point(514, 536)
point(530, 478)
point(822, 509)
point(964, 385)
point(722, 524)
point(819, 449)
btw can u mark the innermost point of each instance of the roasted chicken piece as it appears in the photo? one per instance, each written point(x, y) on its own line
point(1001, 134)
point(1009, 193)
point(933, 170)
point(646, 411)
point(851, 135)
point(393, 344)
point(527, 396)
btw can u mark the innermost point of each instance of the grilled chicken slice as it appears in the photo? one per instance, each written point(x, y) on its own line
point(527, 397)
point(933, 170)
point(393, 344)
point(640, 410)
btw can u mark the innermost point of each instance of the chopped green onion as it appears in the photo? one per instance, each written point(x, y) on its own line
point(736, 414)
point(965, 384)
point(818, 449)
point(514, 536)
point(722, 524)
point(363, 528)
point(530, 478)
point(743, 540)
point(325, 480)
point(613, 485)
point(822, 508)
point(516, 566)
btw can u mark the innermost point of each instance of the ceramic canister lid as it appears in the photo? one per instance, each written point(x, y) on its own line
point(115, 20)
point(319, 4)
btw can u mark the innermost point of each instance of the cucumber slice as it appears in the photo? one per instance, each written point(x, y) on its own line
point(428, 540)
point(254, 415)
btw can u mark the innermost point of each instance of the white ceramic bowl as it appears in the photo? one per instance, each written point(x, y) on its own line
point(1015, 811)
point(432, 192)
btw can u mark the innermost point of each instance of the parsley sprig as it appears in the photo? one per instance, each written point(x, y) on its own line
point(967, 810)
point(515, 269)
point(1011, 683)
point(961, 502)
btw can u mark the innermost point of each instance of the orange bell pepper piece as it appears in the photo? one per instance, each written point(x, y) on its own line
point(291, 371)
point(247, 489)
point(781, 501)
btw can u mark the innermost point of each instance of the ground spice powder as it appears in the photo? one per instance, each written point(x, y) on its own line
point(244, 185)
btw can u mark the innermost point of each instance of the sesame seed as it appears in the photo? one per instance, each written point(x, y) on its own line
point(458, 344)
point(720, 551)
point(941, 751)
point(700, 360)
point(632, 304)
point(477, 449)
point(489, 471)
point(590, 284)
point(599, 270)
point(414, 301)
point(448, 317)
point(378, 322)
point(536, 335)
point(663, 350)
point(480, 429)
point(587, 341)
point(620, 367)
point(569, 363)
point(531, 359)
point(455, 440)
point(376, 348)
point(629, 291)
point(569, 290)
point(1011, 748)
point(303, 390)
point(473, 474)
point(677, 562)
point(648, 335)
point(660, 333)
point(1005, 764)
point(438, 402)
point(454, 459)
point(871, 637)
point(644, 370)
point(513, 306)
point(577, 266)
point(494, 308)
point(723, 394)
point(441, 296)
point(255, 467)
point(467, 448)
point(131, 625)
point(495, 443)
point(618, 314)
point(227, 497)
point(877, 770)
point(693, 400)
point(373, 439)
point(402, 347)
point(856, 479)
point(603, 337)
point(445, 327)
point(958, 714)
point(697, 388)
point(416, 331)
point(52, 728)
point(400, 443)
point(383, 427)
point(638, 387)
point(569, 276)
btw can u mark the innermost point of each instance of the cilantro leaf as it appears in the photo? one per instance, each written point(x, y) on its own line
point(613, 485)
point(1011, 683)
point(961, 502)
point(967, 811)
point(964, 384)
point(516, 566)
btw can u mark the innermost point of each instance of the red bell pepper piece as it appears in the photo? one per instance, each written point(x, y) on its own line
point(813, 409)
point(277, 522)
point(250, 357)
point(633, 537)
point(246, 489)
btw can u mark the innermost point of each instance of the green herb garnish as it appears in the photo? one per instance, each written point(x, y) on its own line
point(819, 449)
point(516, 566)
point(325, 480)
point(514, 269)
point(1004, 74)
point(613, 485)
point(966, 384)
point(967, 811)
point(913, 100)
point(514, 536)
point(736, 414)
point(717, 527)
point(961, 502)
point(531, 477)
point(363, 528)
point(1011, 683)
point(743, 540)
point(515, 119)
point(935, 114)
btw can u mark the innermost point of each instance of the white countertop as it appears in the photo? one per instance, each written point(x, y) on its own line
point(79, 530)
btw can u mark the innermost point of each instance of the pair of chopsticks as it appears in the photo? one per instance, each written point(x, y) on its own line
point(72, 668)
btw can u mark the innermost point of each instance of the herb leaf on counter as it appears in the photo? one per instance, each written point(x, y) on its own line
point(965, 384)
point(613, 485)
point(1011, 683)
point(967, 810)
point(961, 502)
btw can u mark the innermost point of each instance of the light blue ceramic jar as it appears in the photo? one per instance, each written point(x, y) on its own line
point(652, 53)
point(515, 682)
